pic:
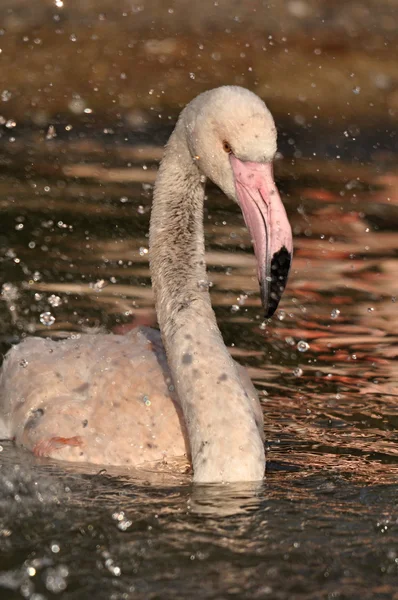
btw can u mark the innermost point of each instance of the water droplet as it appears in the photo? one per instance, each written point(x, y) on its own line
point(298, 372)
point(146, 401)
point(302, 346)
point(356, 89)
point(335, 313)
point(99, 285)
point(9, 292)
point(242, 299)
point(141, 210)
point(5, 95)
point(23, 363)
point(112, 568)
point(46, 318)
point(55, 579)
point(55, 547)
point(370, 309)
point(203, 285)
point(124, 525)
point(192, 75)
point(54, 300)
point(118, 515)
point(143, 251)
point(77, 105)
point(234, 308)
point(281, 315)
point(51, 133)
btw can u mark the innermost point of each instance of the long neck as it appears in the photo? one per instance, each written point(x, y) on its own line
point(224, 440)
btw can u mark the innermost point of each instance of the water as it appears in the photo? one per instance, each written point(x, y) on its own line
point(325, 522)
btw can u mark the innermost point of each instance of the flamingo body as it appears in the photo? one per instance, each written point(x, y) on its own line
point(99, 399)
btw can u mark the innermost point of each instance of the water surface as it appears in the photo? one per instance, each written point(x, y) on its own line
point(325, 522)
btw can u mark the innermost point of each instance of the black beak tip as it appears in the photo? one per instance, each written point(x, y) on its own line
point(271, 291)
point(269, 312)
point(271, 303)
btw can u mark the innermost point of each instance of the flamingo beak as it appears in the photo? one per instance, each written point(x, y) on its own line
point(267, 222)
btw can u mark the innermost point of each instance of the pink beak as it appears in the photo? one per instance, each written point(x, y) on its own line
point(266, 219)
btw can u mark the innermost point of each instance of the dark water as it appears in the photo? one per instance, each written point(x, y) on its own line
point(325, 522)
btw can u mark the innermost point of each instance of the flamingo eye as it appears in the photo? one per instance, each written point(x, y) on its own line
point(226, 147)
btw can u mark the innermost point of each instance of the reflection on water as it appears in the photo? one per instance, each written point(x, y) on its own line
point(324, 523)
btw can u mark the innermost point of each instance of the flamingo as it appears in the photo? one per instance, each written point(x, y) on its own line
point(153, 397)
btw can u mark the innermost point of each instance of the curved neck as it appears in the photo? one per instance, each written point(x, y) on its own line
point(224, 440)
